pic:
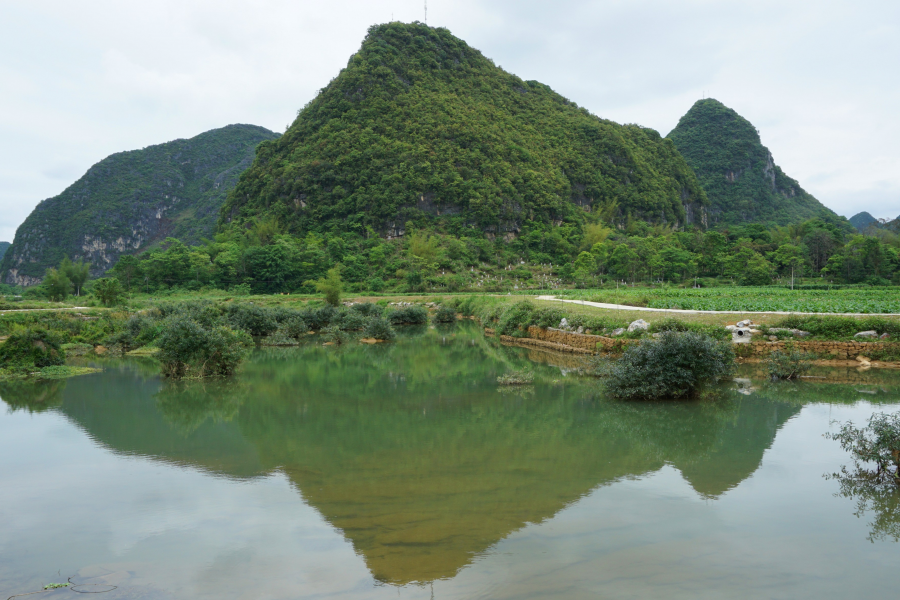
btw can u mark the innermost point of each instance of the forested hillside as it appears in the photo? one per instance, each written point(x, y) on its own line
point(131, 200)
point(421, 128)
point(737, 172)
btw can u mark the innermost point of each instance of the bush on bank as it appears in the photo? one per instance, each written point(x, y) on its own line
point(31, 348)
point(678, 365)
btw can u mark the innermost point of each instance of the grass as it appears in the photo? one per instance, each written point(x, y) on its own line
point(57, 372)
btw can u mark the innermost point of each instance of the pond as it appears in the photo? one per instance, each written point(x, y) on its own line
point(403, 470)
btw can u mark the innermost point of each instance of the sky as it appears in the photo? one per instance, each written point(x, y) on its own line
point(81, 80)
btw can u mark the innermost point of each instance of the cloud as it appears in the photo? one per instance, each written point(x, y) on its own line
point(80, 81)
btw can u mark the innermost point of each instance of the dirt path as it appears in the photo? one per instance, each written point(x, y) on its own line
point(707, 312)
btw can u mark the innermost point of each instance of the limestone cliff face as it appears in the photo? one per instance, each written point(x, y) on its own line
point(131, 200)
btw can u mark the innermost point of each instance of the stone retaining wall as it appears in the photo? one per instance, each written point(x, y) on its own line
point(567, 341)
point(844, 350)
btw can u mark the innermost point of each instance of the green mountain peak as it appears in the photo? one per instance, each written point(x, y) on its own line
point(421, 127)
point(131, 200)
point(738, 173)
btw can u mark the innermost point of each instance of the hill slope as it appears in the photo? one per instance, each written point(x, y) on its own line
point(3, 248)
point(738, 173)
point(420, 126)
point(130, 200)
point(862, 221)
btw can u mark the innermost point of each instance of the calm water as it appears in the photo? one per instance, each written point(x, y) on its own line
point(403, 471)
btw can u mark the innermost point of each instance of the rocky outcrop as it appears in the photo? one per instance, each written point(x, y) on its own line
point(132, 200)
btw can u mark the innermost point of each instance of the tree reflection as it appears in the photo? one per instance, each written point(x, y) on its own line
point(32, 396)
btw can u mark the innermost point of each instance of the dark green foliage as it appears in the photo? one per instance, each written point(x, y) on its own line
point(32, 348)
point(737, 172)
point(352, 320)
point(56, 284)
point(368, 309)
point(516, 319)
point(787, 365)
point(77, 273)
point(139, 330)
point(335, 335)
point(379, 328)
point(117, 203)
point(445, 314)
point(677, 365)
point(108, 291)
point(204, 312)
point(187, 348)
point(421, 126)
point(294, 326)
point(408, 315)
point(255, 320)
point(321, 317)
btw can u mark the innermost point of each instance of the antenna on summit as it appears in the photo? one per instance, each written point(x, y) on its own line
point(426, 12)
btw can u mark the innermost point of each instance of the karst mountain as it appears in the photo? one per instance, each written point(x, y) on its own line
point(420, 127)
point(738, 173)
point(131, 200)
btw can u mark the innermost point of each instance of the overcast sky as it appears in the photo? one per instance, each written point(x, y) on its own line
point(80, 80)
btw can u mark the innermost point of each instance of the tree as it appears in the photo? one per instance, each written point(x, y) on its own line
point(331, 285)
point(56, 284)
point(127, 271)
point(108, 291)
point(789, 256)
point(585, 265)
point(77, 273)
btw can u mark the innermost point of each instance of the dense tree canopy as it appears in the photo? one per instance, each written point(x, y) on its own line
point(421, 127)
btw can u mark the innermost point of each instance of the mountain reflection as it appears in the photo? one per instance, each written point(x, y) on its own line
point(410, 450)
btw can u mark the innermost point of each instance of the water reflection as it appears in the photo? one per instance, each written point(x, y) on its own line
point(412, 451)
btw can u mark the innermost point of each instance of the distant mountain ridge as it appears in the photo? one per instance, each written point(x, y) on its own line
point(737, 172)
point(864, 220)
point(420, 127)
point(131, 200)
point(3, 247)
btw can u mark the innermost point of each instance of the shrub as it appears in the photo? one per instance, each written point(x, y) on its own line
point(408, 315)
point(787, 365)
point(108, 291)
point(294, 327)
point(31, 348)
point(334, 335)
point(281, 337)
point(351, 320)
point(253, 319)
point(187, 348)
point(139, 330)
point(830, 327)
point(367, 309)
point(320, 318)
point(379, 329)
point(204, 312)
point(547, 317)
point(677, 365)
point(516, 318)
point(445, 314)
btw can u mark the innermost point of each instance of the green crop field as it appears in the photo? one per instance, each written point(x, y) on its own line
point(761, 299)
